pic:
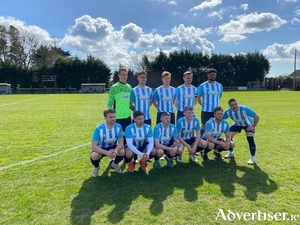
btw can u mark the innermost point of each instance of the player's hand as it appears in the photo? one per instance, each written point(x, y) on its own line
point(226, 145)
point(249, 128)
point(145, 157)
point(111, 154)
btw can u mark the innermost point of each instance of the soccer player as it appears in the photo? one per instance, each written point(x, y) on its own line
point(108, 141)
point(244, 119)
point(119, 98)
point(185, 94)
point(163, 97)
point(139, 139)
point(187, 126)
point(214, 128)
point(140, 97)
point(166, 141)
point(209, 95)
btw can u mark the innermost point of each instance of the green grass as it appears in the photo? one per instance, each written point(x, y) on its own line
point(45, 172)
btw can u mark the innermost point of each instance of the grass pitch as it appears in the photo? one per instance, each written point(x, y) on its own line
point(45, 172)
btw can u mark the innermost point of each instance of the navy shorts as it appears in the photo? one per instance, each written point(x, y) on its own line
point(235, 128)
point(124, 122)
point(206, 116)
point(105, 148)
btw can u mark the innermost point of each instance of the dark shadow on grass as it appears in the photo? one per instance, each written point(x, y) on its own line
point(120, 190)
point(225, 175)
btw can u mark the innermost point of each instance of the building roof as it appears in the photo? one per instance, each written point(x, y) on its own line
point(296, 73)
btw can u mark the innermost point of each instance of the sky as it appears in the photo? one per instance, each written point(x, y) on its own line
point(122, 31)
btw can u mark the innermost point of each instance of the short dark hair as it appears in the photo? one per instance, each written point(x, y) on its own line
point(137, 113)
point(187, 73)
point(218, 108)
point(188, 108)
point(165, 114)
point(211, 70)
point(231, 100)
point(108, 111)
point(141, 72)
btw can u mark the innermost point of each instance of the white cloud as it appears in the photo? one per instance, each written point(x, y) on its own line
point(221, 12)
point(172, 3)
point(206, 4)
point(247, 24)
point(297, 12)
point(244, 7)
point(295, 21)
point(98, 37)
point(38, 32)
point(282, 51)
point(287, 0)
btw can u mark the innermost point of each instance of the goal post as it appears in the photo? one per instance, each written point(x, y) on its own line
point(256, 86)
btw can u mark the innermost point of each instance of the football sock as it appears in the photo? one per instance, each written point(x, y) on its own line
point(95, 162)
point(127, 160)
point(206, 150)
point(252, 145)
point(118, 159)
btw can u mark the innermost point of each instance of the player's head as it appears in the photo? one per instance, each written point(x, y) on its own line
point(165, 118)
point(189, 112)
point(123, 74)
point(142, 77)
point(166, 77)
point(110, 116)
point(233, 104)
point(138, 117)
point(188, 77)
point(218, 113)
point(211, 74)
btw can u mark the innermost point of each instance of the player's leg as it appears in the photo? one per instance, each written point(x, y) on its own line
point(233, 131)
point(205, 116)
point(252, 145)
point(207, 149)
point(95, 160)
point(115, 163)
point(128, 159)
point(157, 154)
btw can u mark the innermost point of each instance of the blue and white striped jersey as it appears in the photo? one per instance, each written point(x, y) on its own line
point(107, 137)
point(215, 129)
point(187, 129)
point(186, 96)
point(165, 135)
point(141, 97)
point(243, 117)
point(210, 94)
point(139, 135)
point(164, 98)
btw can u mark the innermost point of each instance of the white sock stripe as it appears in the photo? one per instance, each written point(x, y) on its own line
point(42, 157)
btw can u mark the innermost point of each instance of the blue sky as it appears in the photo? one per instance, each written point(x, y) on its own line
point(121, 31)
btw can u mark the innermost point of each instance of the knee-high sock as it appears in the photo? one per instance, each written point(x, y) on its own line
point(118, 159)
point(95, 162)
point(127, 160)
point(206, 150)
point(252, 145)
point(156, 158)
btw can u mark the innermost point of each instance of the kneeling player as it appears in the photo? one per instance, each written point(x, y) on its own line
point(166, 140)
point(108, 141)
point(214, 128)
point(139, 140)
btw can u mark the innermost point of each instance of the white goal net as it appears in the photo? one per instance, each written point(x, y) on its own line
point(256, 86)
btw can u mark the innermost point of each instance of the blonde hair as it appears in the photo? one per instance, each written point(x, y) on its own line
point(122, 69)
point(165, 74)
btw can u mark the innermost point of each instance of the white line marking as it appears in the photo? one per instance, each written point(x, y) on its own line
point(42, 157)
point(25, 100)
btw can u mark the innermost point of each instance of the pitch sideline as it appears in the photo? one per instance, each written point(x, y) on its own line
point(42, 157)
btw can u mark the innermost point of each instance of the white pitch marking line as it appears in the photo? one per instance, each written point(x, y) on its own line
point(42, 157)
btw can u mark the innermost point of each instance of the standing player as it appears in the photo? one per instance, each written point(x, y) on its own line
point(108, 141)
point(209, 95)
point(166, 140)
point(119, 99)
point(244, 119)
point(140, 97)
point(214, 128)
point(185, 94)
point(163, 97)
point(187, 126)
point(139, 139)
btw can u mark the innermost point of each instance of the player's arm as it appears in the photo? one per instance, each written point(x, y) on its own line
point(209, 138)
point(199, 100)
point(120, 145)
point(175, 102)
point(182, 141)
point(150, 145)
point(161, 146)
point(132, 105)
point(129, 142)
point(111, 97)
point(256, 120)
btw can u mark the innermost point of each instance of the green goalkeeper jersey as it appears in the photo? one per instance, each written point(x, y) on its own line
point(119, 99)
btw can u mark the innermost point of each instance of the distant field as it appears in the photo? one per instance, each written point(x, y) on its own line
point(45, 172)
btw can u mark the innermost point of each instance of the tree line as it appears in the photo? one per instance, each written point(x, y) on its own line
point(24, 59)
